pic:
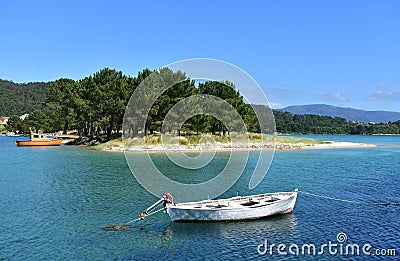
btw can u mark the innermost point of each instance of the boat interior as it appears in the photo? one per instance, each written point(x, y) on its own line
point(253, 201)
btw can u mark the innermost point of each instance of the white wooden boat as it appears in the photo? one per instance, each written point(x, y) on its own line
point(236, 208)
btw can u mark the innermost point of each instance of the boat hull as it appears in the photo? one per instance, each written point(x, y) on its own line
point(185, 212)
point(27, 143)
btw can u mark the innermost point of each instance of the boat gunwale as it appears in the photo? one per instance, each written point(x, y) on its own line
point(202, 205)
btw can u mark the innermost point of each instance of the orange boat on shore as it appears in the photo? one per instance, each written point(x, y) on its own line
point(39, 140)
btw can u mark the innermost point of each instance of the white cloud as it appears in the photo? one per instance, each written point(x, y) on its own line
point(383, 95)
point(333, 96)
point(276, 105)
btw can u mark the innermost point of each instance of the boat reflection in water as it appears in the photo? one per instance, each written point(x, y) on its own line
point(284, 225)
point(222, 240)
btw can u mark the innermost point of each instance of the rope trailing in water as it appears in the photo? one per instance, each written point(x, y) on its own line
point(352, 201)
point(141, 218)
point(127, 225)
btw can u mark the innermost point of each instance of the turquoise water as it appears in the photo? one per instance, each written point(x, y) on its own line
point(380, 140)
point(54, 202)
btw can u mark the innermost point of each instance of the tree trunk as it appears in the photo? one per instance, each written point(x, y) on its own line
point(65, 127)
point(89, 129)
point(109, 131)
point(85, 126)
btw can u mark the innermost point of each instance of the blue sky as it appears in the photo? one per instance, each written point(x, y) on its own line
point(344, 53)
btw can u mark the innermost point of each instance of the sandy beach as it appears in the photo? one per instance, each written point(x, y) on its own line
point(237, 147)
point(340, 145)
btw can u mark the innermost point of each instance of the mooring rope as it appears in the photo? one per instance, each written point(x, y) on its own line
point(137, 219)
point(127, 225)
point(352, 201)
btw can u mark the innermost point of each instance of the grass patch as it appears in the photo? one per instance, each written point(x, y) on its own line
point(296, 140)
point(109, 144)
point(155, 140)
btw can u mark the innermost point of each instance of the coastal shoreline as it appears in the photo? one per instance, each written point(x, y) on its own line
point(341, 145)
point(226, 147)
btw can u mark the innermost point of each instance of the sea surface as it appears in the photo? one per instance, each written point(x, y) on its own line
point(55, 201)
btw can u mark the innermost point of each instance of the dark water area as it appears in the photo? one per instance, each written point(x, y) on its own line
point(54, 202)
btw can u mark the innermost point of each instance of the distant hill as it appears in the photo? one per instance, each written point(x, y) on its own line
point(21, 98)
point(346, 113)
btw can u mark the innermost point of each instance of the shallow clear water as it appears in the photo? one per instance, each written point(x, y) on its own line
point(54, 202)
point(380, 140)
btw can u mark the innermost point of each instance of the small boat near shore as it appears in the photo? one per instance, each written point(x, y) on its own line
point(12, 134)
point(36, 139)
point(235, 208)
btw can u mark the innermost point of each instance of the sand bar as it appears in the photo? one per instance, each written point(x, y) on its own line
point(237, 147)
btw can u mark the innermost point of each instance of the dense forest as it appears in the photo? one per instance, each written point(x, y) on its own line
point(21, 98)
point(315, 124)
point(95, 106)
